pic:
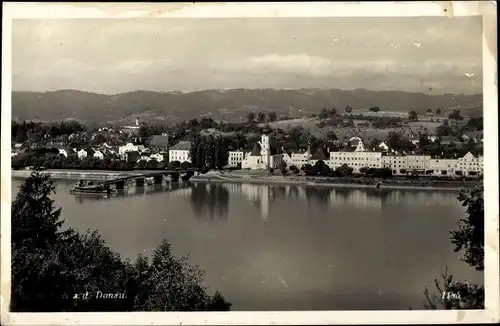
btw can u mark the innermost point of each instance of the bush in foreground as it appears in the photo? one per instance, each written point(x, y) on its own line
point(62, 270)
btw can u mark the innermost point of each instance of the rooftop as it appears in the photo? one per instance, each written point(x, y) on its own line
point(182, 146)
point(319, 155)
point(255, 150)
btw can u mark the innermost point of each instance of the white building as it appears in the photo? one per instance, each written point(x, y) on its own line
point(237, 157)
point(144, 157)
point(469, 163)
point(180, 152)
point(127, 148)
point(395, 162)
point(98, 154)
point(298, 158)
point(356, 157)
point(82, 153)
point(418, 162)
point(263, 156)
point(157, 156)
point(443, 167)
point(383, 146)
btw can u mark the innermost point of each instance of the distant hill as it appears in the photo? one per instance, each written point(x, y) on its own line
point(228, 104)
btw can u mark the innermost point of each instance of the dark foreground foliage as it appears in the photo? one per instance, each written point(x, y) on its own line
point(468, 240)
point(58, 269)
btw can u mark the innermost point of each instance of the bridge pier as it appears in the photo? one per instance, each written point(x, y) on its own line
point(174, 176)
point(120, 185)
point(158, 179)
point(139, 182)
point(187, 176)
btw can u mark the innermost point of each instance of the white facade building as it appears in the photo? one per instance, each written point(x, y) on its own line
point(263, 156)
point(63, 151)
point(418, 162)
point(157, 156)
point(82, 154)
point(180, 152)
point(99, 155)
point(395, 162)
point(383, 146)
point(355, 157)
point(297, 158)
point(127, 148)
point(237, 157)
point(443, 167)
point(469, 163)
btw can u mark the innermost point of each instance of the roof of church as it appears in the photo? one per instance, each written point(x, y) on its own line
point(255, 150)
point(319, 155)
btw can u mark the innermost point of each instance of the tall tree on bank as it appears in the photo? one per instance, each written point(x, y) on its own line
point(221, 153)
point(58, 271)
point(194, 153)
point(209, 150)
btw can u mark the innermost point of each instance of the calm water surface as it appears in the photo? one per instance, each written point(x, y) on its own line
point(287, 247)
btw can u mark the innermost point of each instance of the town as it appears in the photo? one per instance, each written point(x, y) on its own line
point(207, 144)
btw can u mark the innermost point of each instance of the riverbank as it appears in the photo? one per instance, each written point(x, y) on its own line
point(222, 177)
point(438, 185)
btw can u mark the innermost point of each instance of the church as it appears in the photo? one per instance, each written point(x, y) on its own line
point(263, 155)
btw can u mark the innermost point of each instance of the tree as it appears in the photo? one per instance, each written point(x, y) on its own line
point(209, 152)
point(272, 116)
point(393, 140)
point(152, 164)
point(251, 116)
point(194, 153)
point(428, 110)
point(438, 111)
point(468, 239)
point(424, 140)
point(374, 143)
point(324, 114)
point(412, 116)
point(261, 117)
point(344, 170)
point(348, 109)
point(174, 165)
point(221, 153)
point(51, 268)
point(374, 109)
point(185, 165)
point(455, 116)
point(282, 167)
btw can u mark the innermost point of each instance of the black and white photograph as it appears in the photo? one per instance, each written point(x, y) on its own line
point(253, 163)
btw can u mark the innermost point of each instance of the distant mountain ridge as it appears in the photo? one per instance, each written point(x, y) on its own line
point(227, 104)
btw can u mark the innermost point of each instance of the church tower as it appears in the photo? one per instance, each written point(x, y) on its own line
point(265, 150)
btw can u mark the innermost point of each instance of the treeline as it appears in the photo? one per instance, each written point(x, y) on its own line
point(209, 152)
point(57, 269)
point(25, 130)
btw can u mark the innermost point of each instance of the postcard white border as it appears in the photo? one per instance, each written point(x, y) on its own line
point(219, 10)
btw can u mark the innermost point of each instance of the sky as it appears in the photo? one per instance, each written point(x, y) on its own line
point(110, 56)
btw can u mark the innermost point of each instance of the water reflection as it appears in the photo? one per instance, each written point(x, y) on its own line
point(209, 201)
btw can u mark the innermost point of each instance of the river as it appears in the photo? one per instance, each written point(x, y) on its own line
point(287, 247)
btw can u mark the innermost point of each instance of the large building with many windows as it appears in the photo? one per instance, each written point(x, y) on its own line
point(356, 157)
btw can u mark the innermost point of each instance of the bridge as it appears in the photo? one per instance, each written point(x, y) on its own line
point(158, 177)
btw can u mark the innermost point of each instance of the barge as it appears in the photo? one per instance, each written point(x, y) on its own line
point(89, 187)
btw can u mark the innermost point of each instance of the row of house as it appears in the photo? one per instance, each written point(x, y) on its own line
point(357, 156)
